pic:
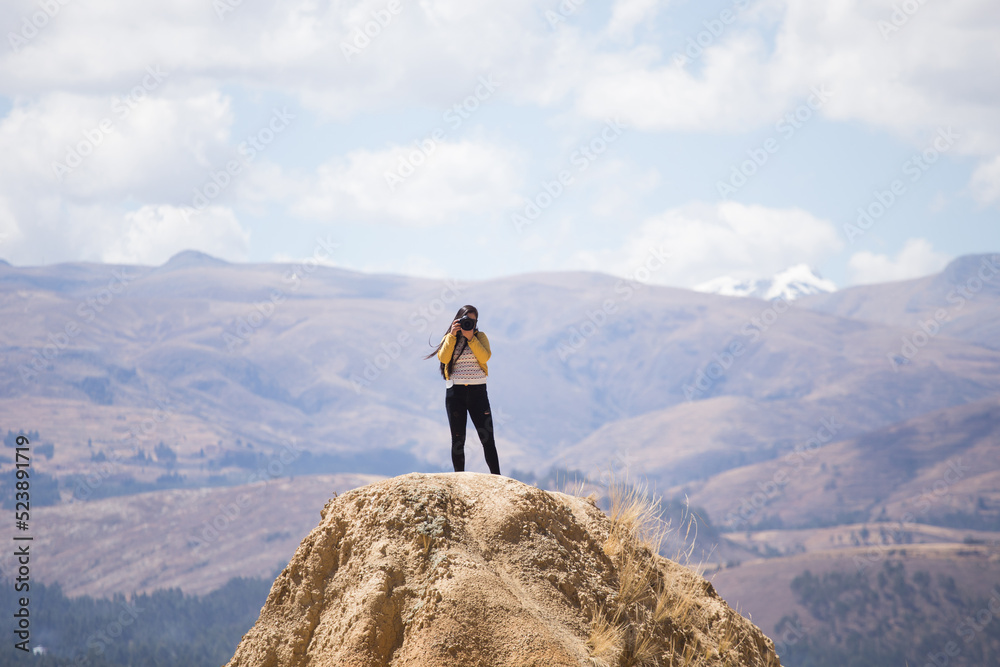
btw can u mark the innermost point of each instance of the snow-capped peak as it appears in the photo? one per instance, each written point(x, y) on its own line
point(792, 283)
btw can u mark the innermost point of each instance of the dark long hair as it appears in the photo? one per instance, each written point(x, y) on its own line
point(460, 344)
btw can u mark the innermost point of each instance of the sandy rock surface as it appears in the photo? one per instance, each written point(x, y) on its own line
point(481, 570)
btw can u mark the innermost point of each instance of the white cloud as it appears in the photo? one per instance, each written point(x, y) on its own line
point(734, 89)
point(74, 164)
point(627, 14)
point(153, 234)
point(986, 181)
point(705, 241)
point(406, 185)
point(429, 53)
point(88, 147)
point(408, 265)
point(916, 258)
point(161, 151)
point(926, 74)
point(285, 258)
point(616, 188)
point(9, 229)
point(263, 183)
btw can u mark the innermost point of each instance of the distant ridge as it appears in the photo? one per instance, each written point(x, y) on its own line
point(792, 283)
point(974, 272)
point(190, 258)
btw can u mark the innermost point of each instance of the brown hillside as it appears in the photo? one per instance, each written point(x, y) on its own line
point(927, 469)
point(762, 588)
point(471, 569)
point(192, 539)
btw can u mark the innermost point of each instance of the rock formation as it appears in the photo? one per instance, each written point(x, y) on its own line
point(481, 570)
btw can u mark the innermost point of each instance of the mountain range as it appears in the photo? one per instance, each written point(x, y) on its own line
point(781, 420)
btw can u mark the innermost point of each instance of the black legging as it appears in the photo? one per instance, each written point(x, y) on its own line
point(460, 400)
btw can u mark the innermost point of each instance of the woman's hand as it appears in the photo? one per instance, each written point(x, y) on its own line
point(456, 328)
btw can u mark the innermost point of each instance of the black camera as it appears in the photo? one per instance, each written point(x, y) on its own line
point(467, 323)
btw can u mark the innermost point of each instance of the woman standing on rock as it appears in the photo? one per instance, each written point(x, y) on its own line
point(463, 353)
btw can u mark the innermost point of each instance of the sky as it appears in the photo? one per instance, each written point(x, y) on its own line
point(460, 138)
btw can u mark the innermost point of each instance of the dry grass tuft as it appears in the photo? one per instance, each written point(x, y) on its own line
point(636, 575)
point(729, 636)
point(635, 519)
point(645, 624)
point(576, 487)
point(605, 640)
point(643, 649)
point(636, 534)
point(690, 654)
point(675, 603)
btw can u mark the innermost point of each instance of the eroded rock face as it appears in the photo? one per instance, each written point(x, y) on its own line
point(472, 569)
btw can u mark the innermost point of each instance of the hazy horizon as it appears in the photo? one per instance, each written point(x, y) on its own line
point(743, 136)
point(305, 261)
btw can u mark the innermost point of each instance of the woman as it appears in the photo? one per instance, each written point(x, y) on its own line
point(463, 353)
